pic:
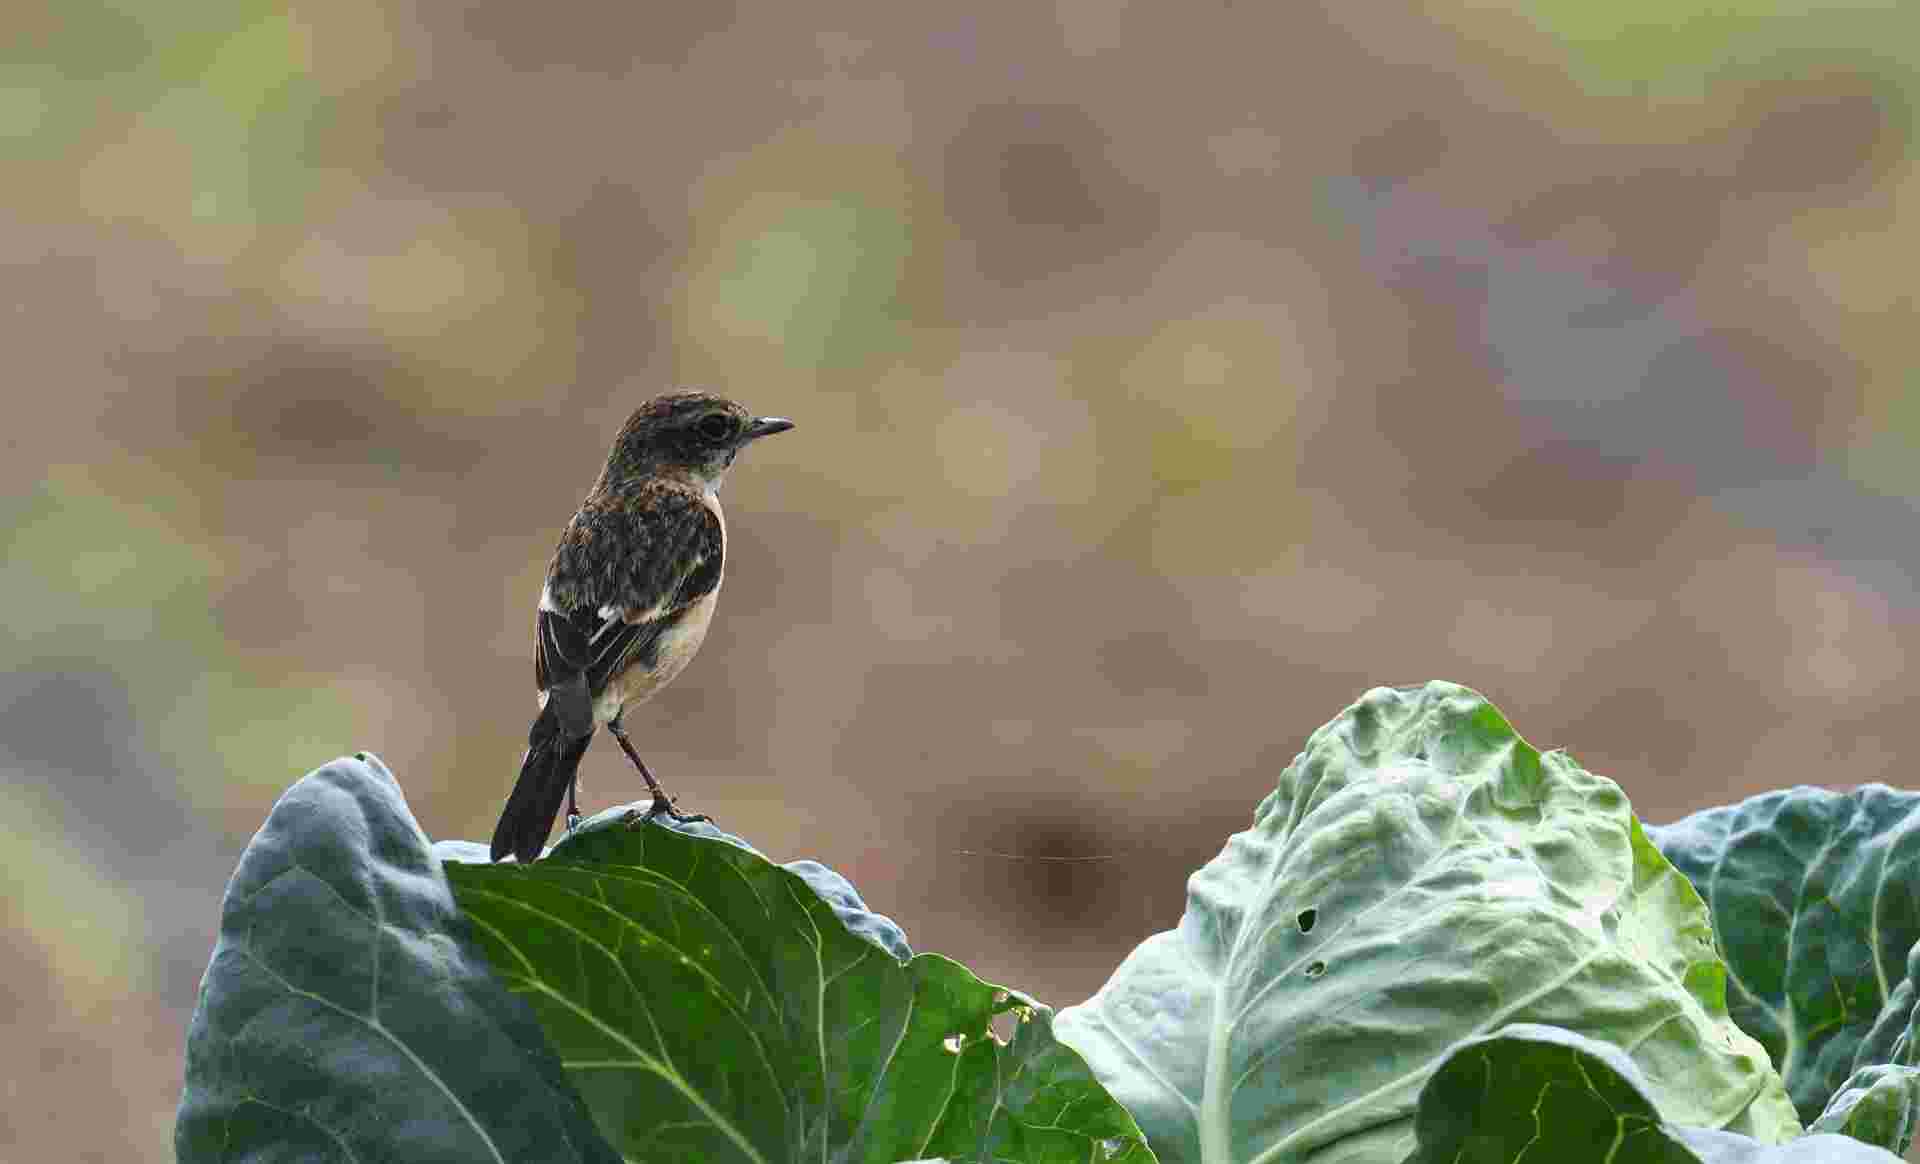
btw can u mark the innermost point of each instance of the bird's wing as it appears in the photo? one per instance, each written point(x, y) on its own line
point(619, 578)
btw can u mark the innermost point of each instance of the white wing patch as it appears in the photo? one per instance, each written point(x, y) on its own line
point(610, 617)
point(613, 613)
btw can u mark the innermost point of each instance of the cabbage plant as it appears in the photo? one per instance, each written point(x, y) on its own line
point(1434, 943)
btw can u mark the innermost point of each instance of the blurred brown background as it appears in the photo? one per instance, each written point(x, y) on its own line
point(1166, 376)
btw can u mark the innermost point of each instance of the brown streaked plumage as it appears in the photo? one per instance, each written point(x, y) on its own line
point(628, 597)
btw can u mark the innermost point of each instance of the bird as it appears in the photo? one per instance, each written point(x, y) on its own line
point(628, 597)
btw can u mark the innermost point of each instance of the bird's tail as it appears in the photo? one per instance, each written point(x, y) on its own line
point(545, 775)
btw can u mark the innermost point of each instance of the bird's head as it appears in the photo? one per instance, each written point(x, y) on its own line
point(695, 435)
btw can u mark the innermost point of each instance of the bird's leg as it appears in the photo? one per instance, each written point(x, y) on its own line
point(662, 803)
point(573, 805)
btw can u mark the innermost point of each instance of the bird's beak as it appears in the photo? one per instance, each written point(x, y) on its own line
point(765, 426)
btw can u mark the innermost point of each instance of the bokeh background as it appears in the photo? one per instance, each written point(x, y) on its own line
point(1166, 374)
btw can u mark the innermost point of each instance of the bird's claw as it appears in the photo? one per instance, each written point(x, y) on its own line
point(661, 806)
point(573, 822)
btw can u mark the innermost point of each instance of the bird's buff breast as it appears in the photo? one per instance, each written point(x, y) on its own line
point(673, 650)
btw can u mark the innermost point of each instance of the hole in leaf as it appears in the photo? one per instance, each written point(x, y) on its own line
point(1316, 969)
point(1002, 1027)
point(1306, 919)
point(1111, 1148)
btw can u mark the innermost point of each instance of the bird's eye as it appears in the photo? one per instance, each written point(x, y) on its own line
point(718, 427)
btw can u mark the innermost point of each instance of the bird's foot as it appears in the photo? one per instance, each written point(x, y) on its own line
point(573, 822)
point(661, 806)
